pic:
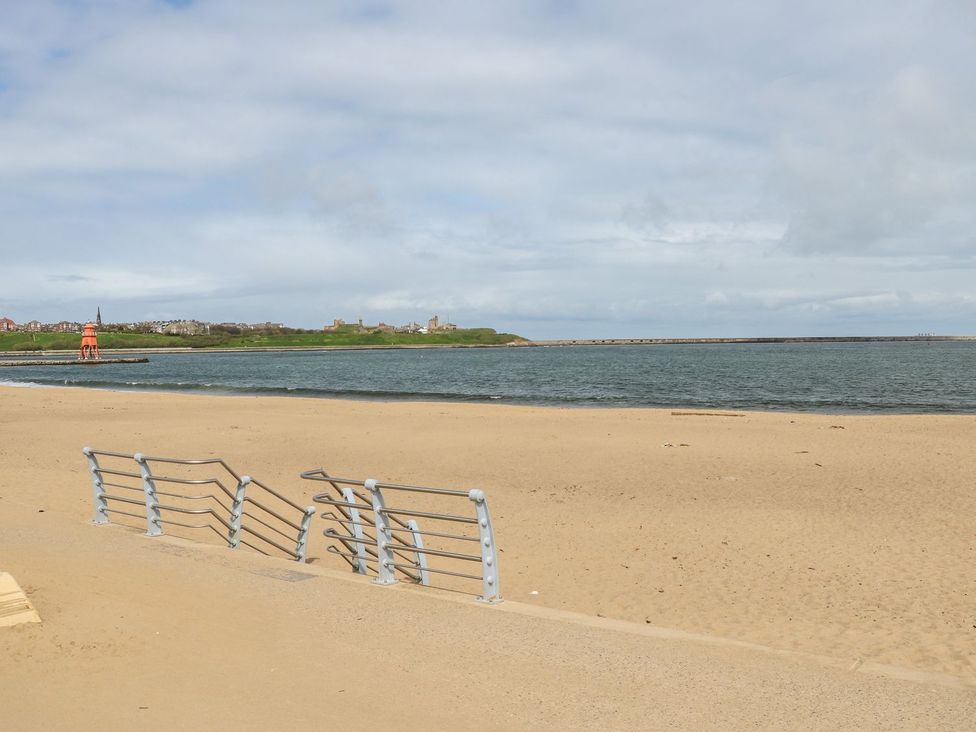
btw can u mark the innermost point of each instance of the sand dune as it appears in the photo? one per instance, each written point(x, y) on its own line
point(847, 540)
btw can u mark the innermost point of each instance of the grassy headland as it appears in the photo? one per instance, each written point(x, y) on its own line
point(33, 342)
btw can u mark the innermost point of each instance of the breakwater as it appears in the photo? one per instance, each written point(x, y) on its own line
point(714, 341)
point(69, 362)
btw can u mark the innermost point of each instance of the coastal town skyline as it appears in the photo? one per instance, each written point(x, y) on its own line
point(192, 326)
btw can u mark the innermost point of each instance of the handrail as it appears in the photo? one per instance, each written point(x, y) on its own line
point(380, 539)
point(358, 511)
point(233, 520)
point(348, 508)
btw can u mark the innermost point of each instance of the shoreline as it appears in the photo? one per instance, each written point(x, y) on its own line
point(426, 399)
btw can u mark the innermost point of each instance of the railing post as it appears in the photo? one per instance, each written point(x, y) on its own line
point(492, 591)
point(418, 542)
point(101, 505)
point(237, 511)
point(385, 559)
point(357, 530)
point(302, 546)
point(154, 526)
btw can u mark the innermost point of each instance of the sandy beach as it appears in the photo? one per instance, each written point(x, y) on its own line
point(809, 549)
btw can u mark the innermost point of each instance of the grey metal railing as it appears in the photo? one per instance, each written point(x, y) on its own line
point(377, 538)
point(239, 513)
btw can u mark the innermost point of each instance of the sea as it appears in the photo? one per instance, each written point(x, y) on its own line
point(906, 377)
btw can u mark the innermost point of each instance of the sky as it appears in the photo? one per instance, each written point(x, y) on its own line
point(555, 169)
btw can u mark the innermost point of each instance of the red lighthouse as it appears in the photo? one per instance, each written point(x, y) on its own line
point(89, 344)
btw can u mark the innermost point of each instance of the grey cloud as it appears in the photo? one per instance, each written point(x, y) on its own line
point(69, 278)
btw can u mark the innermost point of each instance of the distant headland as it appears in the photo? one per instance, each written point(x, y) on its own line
point(164, 335)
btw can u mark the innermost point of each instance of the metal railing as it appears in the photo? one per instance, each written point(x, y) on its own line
point(387, 541)
point(237, 513)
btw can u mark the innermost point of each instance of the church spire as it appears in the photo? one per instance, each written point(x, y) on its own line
point(98, 318)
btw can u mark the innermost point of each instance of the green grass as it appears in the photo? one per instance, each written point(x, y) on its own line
point(27, 342)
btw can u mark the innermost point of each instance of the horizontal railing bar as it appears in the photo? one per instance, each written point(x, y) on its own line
point(404, 557)
point(310, 475)
point(110, 471)
point(367, 543)
point(193, 526)
point(364, 507)
point(350, 539)
point(396, 520)
point(196, 481)
point(441, 553)
point(126, 513)
point(425, 514)
point(181, 461)
point(422, 489)
point(269, 526)
point(340, 504)
point(349, 558)
point(371, 554)
point(334, 550)
point(442, 571)
point(350, 522)
point(395, 548)
point(394, 545)
point(367, 503)
point(194, 498)
point(276, 494)
point(329, 516)
point(399, 511)
point(124, 500)
point(316, 474)
point(183, 481)
point(108, 453)
point(204, 461)
point(278, 516)
point(275, 544)
point(195, 512)
point(186, 526)
point(140, 489)
point(437, 533)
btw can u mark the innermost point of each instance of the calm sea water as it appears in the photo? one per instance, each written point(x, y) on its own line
point(843, 377)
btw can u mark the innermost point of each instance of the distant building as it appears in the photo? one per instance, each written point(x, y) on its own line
point(7, 325)
point(66, 326)
point(186, 327)
point(408, 328)
point(434, 325)
point(33, 326)
point(337, 323)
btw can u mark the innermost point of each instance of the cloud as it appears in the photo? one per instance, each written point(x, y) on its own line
point(560, 169)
